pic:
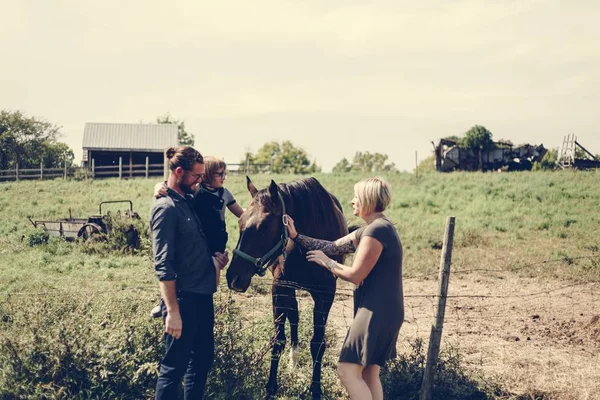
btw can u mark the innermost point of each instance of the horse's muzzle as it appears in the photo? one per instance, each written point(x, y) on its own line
point(232, 285)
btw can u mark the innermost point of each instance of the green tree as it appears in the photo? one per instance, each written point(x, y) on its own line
point(184, 138)
point(30, 141)
point(342, 166)
point(478, 139)
point(580, 154)
point(366, 162)
point(280, 158)
point(548, 162)
point(247, 162)
point(427, 165)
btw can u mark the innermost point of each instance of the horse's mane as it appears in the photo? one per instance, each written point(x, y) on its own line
point(312, 207)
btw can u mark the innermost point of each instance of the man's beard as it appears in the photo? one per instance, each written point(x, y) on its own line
point(187, 189)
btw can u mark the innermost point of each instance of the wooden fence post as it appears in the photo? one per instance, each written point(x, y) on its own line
point(120, 167)
point(416, 165)
point(93, 168)
point(65, 175)
point(436, 330)
point(41, 170)
point(17, 172)
point(166, 168)
point(147, 166)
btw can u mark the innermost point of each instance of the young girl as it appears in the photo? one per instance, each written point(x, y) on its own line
point(210, 201)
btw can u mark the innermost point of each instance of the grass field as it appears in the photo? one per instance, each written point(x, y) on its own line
point(526, 263)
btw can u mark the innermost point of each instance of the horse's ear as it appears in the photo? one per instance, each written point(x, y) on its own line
point(273, 189)
point(251, 188)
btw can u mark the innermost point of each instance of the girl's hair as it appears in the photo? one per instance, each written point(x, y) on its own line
point(212, 165)
point(184, 157)
point(374, 195)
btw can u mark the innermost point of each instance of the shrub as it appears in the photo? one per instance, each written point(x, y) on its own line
point(238, 370)
point(63, 346)
point(470, 237)
point(102, 345)
point(402, 377)
point(80, 174)
point(548, 162)
point(129, 235)
point(37, 237)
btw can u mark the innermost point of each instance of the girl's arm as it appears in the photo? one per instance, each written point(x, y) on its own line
point(160, 189)
point(236, 209)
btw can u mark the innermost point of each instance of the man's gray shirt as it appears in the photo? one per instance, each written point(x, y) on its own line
point(181, 253)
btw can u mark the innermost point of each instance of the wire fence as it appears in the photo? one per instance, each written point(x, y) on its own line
point(539, 336)
point(535, 335)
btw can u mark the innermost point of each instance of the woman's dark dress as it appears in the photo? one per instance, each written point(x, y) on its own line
point(378, 302)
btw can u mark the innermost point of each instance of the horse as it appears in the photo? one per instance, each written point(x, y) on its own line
point(264, 244)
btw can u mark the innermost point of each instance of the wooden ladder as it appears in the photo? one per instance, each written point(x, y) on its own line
point(566, 155)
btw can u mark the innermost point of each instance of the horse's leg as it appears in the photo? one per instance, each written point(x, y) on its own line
point(323, 302)
point(293, 317)
point(280, 296)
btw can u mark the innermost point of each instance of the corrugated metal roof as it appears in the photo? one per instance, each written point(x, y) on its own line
point(147, 137)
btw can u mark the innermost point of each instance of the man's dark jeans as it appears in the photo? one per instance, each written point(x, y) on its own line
point(191, 356)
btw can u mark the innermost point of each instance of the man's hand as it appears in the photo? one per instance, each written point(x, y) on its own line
point(220, 259)
point(173, 325)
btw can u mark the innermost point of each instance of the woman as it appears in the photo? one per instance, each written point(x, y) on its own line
point(378, 298)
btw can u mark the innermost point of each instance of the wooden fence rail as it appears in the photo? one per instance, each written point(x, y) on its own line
point(123, 171)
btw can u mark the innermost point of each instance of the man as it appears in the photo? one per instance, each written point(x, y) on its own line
point(187, 277)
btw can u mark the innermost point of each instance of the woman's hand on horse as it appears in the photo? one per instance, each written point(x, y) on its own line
point(318, 257)
point(160, 190)
point(291, 227)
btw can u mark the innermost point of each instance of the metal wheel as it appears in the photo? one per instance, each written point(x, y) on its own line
point(87, 231)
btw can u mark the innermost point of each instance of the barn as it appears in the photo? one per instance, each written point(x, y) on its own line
point(127, 150)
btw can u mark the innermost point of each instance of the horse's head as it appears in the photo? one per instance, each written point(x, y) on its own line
point(262, 239)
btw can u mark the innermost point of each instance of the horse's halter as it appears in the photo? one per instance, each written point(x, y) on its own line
point(261, 263)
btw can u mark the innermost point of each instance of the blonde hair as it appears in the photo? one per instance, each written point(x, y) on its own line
point(184, 157)
point(212, 165)
point(374, 195)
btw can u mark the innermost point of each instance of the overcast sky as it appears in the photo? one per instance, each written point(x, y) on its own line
point(334, 77)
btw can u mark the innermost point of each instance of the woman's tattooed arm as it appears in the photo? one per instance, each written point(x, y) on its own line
point(341, 246)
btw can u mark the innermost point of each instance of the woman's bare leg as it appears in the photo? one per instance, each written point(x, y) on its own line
point(352, 379)
point(370, 375)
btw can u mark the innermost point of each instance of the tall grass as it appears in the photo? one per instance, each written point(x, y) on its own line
point(512, 218)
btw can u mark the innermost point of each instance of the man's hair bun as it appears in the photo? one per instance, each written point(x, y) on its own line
point(170, 152)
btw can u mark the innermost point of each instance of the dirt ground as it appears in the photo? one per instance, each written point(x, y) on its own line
point(529, 335)
point(532, 335)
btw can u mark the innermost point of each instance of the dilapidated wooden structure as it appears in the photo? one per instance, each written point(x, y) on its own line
point(450, 157)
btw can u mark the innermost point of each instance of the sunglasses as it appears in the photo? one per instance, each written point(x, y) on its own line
point(221, 174)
